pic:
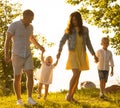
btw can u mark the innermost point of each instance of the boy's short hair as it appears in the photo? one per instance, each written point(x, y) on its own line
point(105, 38)
point(28, 12)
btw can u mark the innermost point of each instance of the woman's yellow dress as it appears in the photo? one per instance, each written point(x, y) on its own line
point(78, 58)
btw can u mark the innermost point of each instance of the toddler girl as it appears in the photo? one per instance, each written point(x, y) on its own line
point(45, 74)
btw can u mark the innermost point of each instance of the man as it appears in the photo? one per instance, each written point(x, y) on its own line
point(21, 34)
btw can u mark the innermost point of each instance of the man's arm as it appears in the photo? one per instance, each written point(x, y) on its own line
point(6, 47)
point(33, 40)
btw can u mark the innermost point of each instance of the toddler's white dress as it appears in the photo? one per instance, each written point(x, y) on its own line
point(45, 73)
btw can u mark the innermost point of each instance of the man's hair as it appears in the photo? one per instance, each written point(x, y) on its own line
point(28, 12)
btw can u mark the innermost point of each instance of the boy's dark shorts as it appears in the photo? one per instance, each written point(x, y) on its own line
point(103, 75)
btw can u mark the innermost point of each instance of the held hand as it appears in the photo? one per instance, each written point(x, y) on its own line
point(42, 48)
point(58, 55)
point(43, 51)
point(111, 74)
point(57, 61)
point(96, 59)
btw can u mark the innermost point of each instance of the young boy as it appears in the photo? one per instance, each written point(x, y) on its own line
point(105, 60)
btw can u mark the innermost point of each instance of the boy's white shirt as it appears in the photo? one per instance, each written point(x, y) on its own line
point(105, 59)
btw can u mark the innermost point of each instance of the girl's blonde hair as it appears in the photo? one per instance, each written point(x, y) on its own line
point(49, 57)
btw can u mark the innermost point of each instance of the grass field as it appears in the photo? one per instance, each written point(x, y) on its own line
point(88, 98)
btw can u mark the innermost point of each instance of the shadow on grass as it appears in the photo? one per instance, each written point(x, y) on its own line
point(111, 99)
point(52, 104)
point(33, 106)
point(46, 104)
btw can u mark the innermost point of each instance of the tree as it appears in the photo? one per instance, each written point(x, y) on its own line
point(105, 14)
point(8, 12)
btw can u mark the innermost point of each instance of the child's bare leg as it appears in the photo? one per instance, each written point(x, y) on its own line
point(46, 90)
point(39, 89)
point(102, 87)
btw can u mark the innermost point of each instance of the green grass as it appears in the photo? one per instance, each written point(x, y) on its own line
point(88, 98)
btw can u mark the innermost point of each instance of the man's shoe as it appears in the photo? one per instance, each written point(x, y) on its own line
point(31, 101)
point(20, 102)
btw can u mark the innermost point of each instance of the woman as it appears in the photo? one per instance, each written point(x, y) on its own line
point(78, 38)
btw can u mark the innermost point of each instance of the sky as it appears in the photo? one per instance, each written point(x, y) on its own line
point(50, 20)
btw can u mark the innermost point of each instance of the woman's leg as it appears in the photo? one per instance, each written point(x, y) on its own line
point(73, 83)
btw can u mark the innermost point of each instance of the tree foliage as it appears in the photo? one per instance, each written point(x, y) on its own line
point(8, 12)
point(105, 14)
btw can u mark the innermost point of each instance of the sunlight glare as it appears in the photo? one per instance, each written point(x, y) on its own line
point(50, 19)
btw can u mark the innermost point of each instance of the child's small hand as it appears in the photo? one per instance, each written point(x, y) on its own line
point(111, 74)
point(96, 59)
point(58, 55)
point(42, 48)
point(56, 62)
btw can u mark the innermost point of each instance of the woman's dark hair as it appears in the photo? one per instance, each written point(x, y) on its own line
point(70, 26)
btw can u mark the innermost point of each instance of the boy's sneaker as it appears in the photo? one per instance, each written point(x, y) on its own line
point(20, 102)
point(31, 101)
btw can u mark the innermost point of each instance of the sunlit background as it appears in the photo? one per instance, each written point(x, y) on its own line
point(50, 19)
